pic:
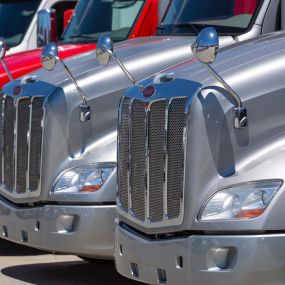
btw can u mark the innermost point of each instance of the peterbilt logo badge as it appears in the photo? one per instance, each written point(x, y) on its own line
point(149, 91)
point(17, 90)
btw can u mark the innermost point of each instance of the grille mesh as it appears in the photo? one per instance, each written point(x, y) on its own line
point(138, 152)
point(21, 143)
point(36, 143)
point(175, 174)
point(8, 148)
point(156, 160)
point(151, 148)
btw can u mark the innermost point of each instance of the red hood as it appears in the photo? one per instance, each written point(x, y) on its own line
point(23, 63)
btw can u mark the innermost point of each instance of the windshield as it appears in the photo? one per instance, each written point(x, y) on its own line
point(227, 16)
point(15, 18)
point(93, 18)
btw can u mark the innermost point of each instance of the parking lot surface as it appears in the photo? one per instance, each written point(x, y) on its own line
point(21, 265)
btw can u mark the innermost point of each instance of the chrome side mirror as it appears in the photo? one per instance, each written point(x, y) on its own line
point(46, 27)
point(49, 59)
point(49, 56)
point(104, 51)
point(205, 49)
point(3, 50)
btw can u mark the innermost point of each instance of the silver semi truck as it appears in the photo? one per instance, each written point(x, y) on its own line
point(201, 199)
point(59, 128)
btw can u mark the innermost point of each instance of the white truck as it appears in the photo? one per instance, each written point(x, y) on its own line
point(18, 21)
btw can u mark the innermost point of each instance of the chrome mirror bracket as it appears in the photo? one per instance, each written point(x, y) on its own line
point(104, 52)
point(3, 50)
point(205, 49)
point(240, 117)
point(49, 59)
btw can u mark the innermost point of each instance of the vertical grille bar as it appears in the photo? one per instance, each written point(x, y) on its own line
point(9, 171)
point(157, 159)
point(1, 136)
point(138, 149)
point(35, 143)
point(130, 153)
point(23, 122)
point(175, 174)
point(123, 153)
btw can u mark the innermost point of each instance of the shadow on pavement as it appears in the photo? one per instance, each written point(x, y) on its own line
point(67, 273)
point(8, 248)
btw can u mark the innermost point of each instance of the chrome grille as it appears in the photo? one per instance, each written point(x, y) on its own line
point(21, 144)
point(151, 159)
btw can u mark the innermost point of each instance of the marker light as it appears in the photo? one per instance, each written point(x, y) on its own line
point(243, 201)
point(84, 179)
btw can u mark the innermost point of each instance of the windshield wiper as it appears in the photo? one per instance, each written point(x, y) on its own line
point(193, 26)
point(81, 36)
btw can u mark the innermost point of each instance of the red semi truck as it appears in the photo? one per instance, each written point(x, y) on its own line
point(125, 19)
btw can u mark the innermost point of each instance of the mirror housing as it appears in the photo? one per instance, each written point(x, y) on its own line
point(206, 46)
point(49, 56)
point(205, 49)
point(46, 27)
point(104, 49)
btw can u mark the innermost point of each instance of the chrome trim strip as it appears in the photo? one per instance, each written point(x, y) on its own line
point(147, 214)
point(165, 186)
point(119, 127)
point(130, 157)
point(42, 146)
point(16, 104)
point(29, 147)
point(2, 146)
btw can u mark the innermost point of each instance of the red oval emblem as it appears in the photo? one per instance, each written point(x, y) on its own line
point(149, 91)
point(17, 90)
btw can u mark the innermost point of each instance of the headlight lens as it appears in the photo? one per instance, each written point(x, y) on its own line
point(243, 201)
point(83, 179)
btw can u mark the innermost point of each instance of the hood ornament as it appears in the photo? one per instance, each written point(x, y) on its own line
point(149, 91)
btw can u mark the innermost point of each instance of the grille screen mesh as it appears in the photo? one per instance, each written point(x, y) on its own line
point(151, 150)
point(20, 143)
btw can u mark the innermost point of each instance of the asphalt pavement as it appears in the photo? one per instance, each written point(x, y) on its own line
point(20, 265)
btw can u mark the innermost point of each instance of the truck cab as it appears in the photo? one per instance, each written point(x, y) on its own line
point(18, 21)
point(126, 19)
point(200, 182)
point(61, 193)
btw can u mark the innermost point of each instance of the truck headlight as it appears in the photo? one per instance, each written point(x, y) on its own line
point(243, 201)
point(86, 179)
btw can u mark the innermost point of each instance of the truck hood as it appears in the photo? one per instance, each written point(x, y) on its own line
point(238, 63)
point(28, 61)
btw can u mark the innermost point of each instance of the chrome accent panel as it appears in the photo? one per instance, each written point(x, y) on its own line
point(21, 129)
point(123, 146)
point(151, 150)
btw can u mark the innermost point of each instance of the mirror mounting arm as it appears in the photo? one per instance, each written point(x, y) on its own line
point(240, 114)
point(7, 70)
point(85, 112)
point(123, 68)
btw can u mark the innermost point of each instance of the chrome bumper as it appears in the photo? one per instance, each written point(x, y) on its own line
point(195, 260)
point(80, 230)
